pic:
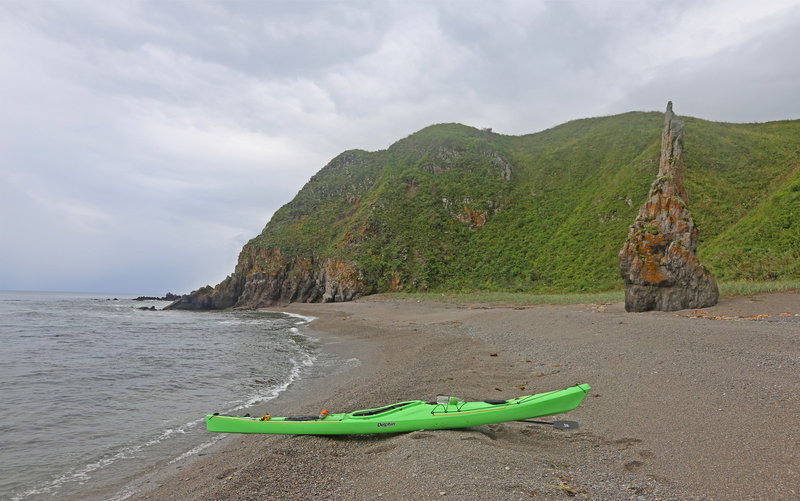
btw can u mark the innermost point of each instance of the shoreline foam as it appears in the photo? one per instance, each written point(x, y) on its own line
point(121, 489)
point(294, 389)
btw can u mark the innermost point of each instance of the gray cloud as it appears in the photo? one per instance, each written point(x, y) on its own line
point(142, 143)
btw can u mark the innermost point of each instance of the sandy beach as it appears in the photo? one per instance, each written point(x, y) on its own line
point(685, 405)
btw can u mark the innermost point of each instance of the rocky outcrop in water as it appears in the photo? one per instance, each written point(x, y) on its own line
point(167, 297)
point(659, 261)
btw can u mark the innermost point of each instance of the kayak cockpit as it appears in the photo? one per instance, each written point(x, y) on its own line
point(385, 409)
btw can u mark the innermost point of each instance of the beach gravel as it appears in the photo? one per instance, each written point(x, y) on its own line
point(684, 405)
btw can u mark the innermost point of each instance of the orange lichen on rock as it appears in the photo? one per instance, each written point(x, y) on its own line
point(658, 261)
point(652, 273)
point(476, 218)
point(395, 285)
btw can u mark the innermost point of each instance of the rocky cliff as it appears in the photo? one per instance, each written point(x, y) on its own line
point(658, 262)
point(457, 208)
point(266, 277)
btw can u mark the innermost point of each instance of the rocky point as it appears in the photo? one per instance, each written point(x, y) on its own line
point(266, 276)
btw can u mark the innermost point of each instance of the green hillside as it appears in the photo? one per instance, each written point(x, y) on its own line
point(456, 208)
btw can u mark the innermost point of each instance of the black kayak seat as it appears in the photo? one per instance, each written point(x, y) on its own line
point(372, 412)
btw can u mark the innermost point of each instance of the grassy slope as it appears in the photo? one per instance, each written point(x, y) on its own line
point(747, 199)
point(403, 214)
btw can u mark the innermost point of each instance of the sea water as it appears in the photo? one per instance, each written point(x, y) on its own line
point(94, 389)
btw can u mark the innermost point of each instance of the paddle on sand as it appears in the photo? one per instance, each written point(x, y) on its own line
point(559, 425)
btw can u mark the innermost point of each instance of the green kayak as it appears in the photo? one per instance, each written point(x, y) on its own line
point(446, 412)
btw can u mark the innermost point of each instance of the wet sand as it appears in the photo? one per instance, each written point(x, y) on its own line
point(685, 405)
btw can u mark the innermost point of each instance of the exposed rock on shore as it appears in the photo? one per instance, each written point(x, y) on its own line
point(266, 277)
point(659, 261)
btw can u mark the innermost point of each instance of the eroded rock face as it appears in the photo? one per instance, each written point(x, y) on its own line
point(266, 277)
point(658, 261)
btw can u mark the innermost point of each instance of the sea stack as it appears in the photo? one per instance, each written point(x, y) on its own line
point(659, 260)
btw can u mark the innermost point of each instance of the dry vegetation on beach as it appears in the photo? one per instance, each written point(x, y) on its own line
point(685, 405)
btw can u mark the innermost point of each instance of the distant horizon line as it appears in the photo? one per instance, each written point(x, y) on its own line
point(32, 291)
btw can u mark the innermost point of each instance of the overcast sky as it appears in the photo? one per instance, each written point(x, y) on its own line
point(143, 143)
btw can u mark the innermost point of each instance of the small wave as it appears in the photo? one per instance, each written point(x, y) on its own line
point(128, 491)
point(302, 319)
point(297, 369)
point(295, 374)
point(80, 474)
point(196, 450)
